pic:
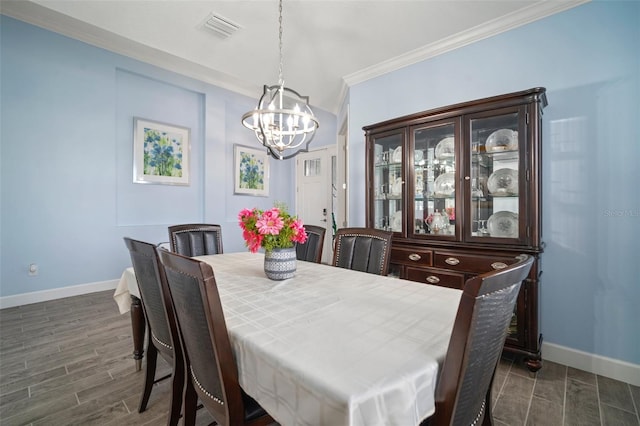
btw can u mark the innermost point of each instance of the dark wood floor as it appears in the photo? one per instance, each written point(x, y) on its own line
point(68, 362)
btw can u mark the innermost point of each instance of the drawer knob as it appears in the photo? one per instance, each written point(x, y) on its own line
point(432, 279)
point(451, 261)
point(498, 265)
point(415, 257)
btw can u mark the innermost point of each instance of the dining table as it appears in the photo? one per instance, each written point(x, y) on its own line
point(330, 346)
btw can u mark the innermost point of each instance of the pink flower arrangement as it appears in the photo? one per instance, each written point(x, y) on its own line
point(451, 212)
point(274, 228)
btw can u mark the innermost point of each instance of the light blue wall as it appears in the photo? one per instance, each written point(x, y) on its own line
point(588, 58)
point(68, 195)
point(67, 199)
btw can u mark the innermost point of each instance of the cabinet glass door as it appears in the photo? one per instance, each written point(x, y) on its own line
point(388, 183)
point(434, 180)
point(495, 177)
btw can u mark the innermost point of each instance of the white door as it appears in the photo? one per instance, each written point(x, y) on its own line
point(313, 194)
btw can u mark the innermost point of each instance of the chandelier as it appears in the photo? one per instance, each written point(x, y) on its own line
point(283, 119)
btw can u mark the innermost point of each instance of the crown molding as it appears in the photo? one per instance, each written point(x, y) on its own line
point(48, 19)
point(505, 23)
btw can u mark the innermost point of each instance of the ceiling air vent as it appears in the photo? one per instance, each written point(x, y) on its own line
point(222, 26)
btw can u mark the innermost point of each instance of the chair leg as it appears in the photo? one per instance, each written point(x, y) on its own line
point(190, 402)
point(149, 375)
point(177, 388)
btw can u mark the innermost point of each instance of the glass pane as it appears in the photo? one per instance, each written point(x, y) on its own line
point(387, 183)
point(312, 167)
point(435, 167)
point(495, 176)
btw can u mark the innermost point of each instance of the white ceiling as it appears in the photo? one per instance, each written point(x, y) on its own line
point(328, 44)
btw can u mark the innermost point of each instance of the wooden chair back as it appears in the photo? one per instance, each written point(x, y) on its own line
point(363, 249)
point(463, 394)
point(162, 335)
point(196, 239)
point(212, 374)
point(311, 251)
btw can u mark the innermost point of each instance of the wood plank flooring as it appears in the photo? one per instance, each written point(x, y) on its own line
point(69, 362)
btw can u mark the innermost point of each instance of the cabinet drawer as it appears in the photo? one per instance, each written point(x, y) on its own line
point(436, 277)
point(471, 263)
point(411, 257)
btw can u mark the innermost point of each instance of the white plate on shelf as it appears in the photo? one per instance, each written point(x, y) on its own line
point(503, 183)
point(445, 148)
point(418, 156)
point(502, 140)
point(445, 185)
point(397, 155)
point(503, 224)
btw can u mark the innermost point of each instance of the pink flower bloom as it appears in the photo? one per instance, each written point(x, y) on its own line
point(244, 213)
point(270, 222)
point(254, 242)
point(299, 234)
point(243, 216)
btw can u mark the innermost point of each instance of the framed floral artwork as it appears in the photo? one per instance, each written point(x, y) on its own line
point(160, 153)
point(251, 171)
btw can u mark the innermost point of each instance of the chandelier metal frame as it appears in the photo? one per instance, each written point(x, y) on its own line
point(282, 120)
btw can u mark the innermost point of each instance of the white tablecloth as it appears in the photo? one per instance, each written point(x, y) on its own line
point(333, 346)
point(126, 287)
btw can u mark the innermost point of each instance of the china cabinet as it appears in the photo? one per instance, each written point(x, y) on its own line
point(460, 187)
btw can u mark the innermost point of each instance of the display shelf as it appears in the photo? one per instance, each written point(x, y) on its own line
point(463, 169)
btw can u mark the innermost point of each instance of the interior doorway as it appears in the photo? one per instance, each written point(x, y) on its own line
point(322, 188)
point(313, 193)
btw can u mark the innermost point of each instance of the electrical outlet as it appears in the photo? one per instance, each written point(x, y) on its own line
point(33, 269)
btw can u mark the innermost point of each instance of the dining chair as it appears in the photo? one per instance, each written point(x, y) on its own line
point(195, 239)
point(363, 249)
point(463, 392)
point(211, 371)
point(311, 250)
point(162, 335)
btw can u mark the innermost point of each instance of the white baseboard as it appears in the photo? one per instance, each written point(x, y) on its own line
point(56, 293)
point(596, 364)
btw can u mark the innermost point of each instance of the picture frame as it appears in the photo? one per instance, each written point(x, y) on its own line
point(251, 171)
point(161, 153)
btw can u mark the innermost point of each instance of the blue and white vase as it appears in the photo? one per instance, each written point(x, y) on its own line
point(280, 263)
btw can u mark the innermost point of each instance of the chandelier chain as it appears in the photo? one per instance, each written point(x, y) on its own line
point(280, 77)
